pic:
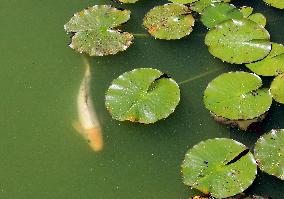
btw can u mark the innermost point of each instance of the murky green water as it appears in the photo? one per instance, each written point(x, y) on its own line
point(42, 156)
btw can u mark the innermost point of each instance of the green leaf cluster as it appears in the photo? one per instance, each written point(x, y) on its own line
point(220, 167)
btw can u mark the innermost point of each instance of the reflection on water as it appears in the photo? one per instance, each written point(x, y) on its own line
point(88, 125)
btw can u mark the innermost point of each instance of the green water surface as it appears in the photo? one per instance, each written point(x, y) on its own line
point(42, 156)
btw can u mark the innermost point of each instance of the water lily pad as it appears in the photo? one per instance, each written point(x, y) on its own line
point(275, 3)
point(94, 32)
point(238, 41)
point(272, 65)
point(269, 153)
point(277, 89)
point(127, 1)
point(169, 21)
point(142, 95)
point(237, 96)
point(221, 167)
point(247, 11)
point(199, 6)
point(219, 12)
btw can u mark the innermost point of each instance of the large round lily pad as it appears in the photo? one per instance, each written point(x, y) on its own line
point(275, 3)
point(277, 89)
point(237, 96)
point(219, 12)
point(142, 95)
point(169, 21)
point(272, 65)
point(269, 153)
point(221, 167)
point(94, 32)
point(238, 41)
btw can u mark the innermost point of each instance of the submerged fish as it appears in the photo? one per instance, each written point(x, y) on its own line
point(88, 124)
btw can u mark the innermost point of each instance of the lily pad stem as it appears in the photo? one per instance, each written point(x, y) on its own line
point(201, 75)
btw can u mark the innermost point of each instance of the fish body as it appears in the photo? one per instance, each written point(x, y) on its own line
point(89, 126)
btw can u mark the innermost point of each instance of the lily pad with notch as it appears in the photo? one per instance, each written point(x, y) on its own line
point(237, 96)
point(275, 3)
point(238, 41)
point(143, 95)
point(94, 32)
point(269, 153)
point(272, 65)
point(277, 89)
point(219, 12)
point(169, 21)
point(220, 167)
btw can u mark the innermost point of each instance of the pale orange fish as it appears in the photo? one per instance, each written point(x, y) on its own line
point(88, 125)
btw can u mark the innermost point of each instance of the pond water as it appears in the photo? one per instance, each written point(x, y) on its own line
point(42, 155)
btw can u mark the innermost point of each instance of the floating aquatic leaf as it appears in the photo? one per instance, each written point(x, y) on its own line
point(272, 65)
point(220, 167)
point(238, 41)
point(269, 153)
point(258, 18)
point(199, 6)
point(94, 32)
point(247, 11)
point(219, 12)
point(277, 89)
point(275, 3)
point(127, 1)
point(142, 95)
point(169, 21)
point(237, 96)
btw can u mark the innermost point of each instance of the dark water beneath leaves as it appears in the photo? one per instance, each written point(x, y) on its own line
point(41, 154)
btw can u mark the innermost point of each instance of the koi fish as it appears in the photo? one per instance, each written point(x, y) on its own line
point(88, 125)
